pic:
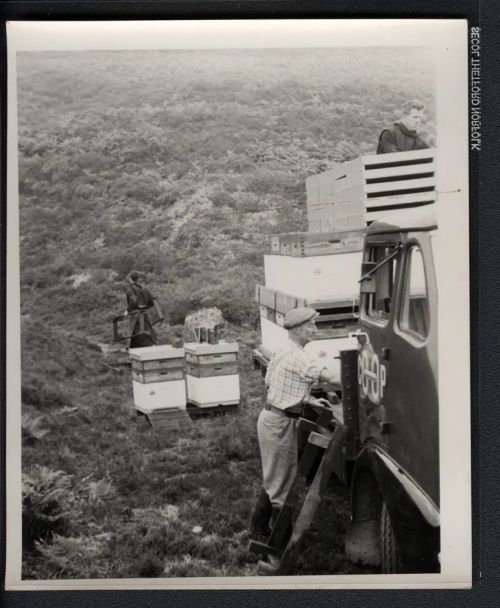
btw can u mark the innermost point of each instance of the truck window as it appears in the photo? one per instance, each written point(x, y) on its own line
point(414, 316)
point(379, 303)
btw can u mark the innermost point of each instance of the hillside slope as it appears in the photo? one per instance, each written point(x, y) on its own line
point(180, 164)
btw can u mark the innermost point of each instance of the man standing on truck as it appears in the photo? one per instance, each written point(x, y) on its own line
point(404, 134)
point(290, 376)
point(139, 302)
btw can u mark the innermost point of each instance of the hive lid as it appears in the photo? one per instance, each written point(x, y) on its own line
point(162, 351)
point(210, 349)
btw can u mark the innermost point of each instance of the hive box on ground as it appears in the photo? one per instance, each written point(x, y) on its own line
point(212, 376)
point(315, 278)
point(276, 338)
point(158, 378)
point(355, 193)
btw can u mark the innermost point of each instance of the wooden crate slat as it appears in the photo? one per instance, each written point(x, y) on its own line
point(214, 359)
point(397, 157)
point(327, 333)
point(313, 237)
point(312, 190)
point(275, 244)
point(157, 376)
point(383, 215)
point(291, 247)
point(352, 194)
point(429, 167)
point(285, 302)
point(271, 315)
point(268, 297)
point(322, 304)
point(399, 200)
point(208, 371)
point(157, 364)
point(351, 180)
point(335, 317)
point(257, 293)
point(414, 184)
point(332, 236)
point(331, 248)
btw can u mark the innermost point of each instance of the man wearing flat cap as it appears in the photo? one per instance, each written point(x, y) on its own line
point(290, 376)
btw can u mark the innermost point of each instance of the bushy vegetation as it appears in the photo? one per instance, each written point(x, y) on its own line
point(179, 164)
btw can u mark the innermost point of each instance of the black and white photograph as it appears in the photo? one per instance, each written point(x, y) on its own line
point(238, 305)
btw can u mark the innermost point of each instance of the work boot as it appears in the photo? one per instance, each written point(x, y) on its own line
point(274, 519)
point(268, 567)
point(261, 514)
point(275, 514)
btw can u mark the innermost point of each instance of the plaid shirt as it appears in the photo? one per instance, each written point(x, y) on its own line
point(290, 376)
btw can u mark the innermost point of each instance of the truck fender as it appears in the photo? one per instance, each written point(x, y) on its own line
point(377, 480)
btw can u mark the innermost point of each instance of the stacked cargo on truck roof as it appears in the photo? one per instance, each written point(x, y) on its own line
point(368, 265)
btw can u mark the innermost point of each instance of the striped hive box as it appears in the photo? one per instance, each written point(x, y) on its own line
point(212, 376)
point(158, 378)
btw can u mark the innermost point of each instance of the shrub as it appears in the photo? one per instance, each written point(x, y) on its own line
point(31, 428)
point(167, 198)
point(100, 491)
point(235, 440)
point(37, 393)
point(222, 199)
point(46, 504)
point(150, 566)
point(78, 557)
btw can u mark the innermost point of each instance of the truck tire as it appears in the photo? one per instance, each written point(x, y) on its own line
point(389, 556)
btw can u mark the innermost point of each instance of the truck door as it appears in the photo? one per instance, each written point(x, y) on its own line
point(398, 390)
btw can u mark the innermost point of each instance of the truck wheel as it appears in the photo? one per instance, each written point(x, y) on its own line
point(389, 556)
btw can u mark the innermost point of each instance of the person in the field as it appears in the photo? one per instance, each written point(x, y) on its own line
point(403, 136)
point(139, 302)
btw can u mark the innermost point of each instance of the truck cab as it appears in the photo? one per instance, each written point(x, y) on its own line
point(395, 472)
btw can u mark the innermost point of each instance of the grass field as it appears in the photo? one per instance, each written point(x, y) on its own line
point(180, 164)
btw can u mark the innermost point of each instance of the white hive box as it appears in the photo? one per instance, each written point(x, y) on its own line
point(316, 277)
point(275, 338)
point(212, 376)
point(158, 378)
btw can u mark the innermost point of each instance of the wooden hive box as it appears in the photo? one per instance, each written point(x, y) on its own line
point(355, 193)
point(158, 378)
point(212, 374)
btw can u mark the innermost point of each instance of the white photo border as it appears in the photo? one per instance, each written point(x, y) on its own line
point(448, 39)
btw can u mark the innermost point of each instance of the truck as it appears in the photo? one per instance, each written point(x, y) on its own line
point(382, 344)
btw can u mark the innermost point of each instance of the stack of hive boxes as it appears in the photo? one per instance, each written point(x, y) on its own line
point(212, 374)
point(167, 379)
point(158, 378)
point(321, 268)
point(357, 192)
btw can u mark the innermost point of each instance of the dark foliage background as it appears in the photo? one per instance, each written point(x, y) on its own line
point(180, 164)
